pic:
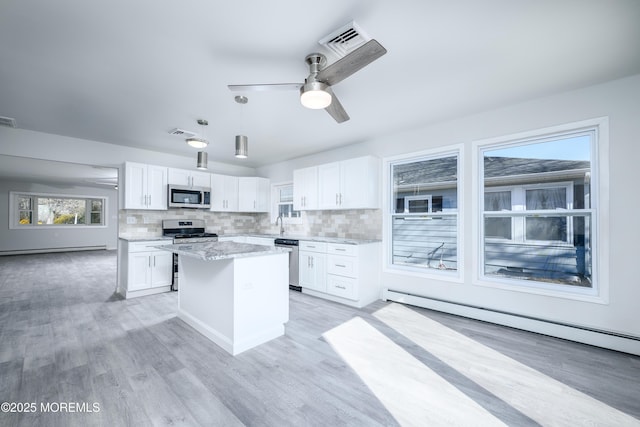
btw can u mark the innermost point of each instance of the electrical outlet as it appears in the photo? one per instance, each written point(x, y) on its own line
point(131, 220)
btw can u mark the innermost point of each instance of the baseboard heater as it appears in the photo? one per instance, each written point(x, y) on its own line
point(600, 338)
point(49, 250)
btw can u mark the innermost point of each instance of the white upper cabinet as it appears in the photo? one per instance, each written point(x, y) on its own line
point(145, 186)
point(305, 189)
point(349, 184)
point(254, 194)
point(224, 193)
point(187, 178)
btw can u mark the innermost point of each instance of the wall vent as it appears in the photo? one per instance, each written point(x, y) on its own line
point(345, 39)
point(183, 133)
point(8, 122)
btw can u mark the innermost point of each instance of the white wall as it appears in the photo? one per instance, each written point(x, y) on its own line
point(619, 100)
point(24, 143)
point(57, 238)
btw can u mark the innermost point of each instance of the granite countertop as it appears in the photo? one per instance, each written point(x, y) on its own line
point(144, 239)
point(212, 251)
point(342, 240)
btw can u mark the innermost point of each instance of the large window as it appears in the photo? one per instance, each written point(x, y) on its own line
point(423, 222)
point(537, 211)
point(42, 210)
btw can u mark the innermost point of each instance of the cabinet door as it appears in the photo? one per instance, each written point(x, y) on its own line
point(218, 200)
point(263, 194)
point(313, 271)
point(180, 177)
point(135, 181)
point(247, 194)
point(359, 183)
point(200, 179)
point(305, 189)
point(139, 273)
point(161, 268)
point(231, 193)
point(156, 187)
point(329, 186)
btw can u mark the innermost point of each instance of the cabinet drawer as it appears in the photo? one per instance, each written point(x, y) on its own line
point(148, 245)
point(344, 287)
point(313, 246)
point(342, 265)
point(340, 249)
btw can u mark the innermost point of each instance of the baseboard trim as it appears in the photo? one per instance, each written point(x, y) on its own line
point(599, 338)
point(49, 250)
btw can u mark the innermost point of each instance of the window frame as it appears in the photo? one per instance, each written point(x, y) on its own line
point(275, 204)
point(14, 210)
point(388, 206)
point(598, 211)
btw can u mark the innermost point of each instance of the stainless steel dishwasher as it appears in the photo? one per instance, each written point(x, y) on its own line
point(293, 261)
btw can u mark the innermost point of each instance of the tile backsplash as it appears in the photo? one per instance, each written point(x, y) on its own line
point(354, 224)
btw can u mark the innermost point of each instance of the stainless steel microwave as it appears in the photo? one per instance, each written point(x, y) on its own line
point(189, 197)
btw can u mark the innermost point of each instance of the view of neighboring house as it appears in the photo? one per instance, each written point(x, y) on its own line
point(536, 223)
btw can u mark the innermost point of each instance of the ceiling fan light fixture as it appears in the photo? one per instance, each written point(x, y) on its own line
point(197, 142)
point(314, 95)
point(242, 146)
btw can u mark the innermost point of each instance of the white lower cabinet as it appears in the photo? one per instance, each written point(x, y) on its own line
point(349, 272)
point(312, 266)
point(144, 269)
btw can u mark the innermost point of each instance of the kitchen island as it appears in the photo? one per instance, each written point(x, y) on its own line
point(235, 294)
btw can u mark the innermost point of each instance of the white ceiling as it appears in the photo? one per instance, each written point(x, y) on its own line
point(127, 72)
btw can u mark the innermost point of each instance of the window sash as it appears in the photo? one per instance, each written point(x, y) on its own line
point(420, 240)
point(558, 211)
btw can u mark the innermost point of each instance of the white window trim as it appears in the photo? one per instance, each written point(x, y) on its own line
point(275, 204)
point(387, 240)
point(13, 217)
point(599, 197)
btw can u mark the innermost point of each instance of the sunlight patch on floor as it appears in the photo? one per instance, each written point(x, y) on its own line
point(411, 392)
point(540, 397)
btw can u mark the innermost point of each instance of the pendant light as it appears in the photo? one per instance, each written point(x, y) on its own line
point(202, 160)
point(242, 141)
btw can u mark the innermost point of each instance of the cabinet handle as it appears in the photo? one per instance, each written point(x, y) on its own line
point(340, 199)
point(341, 287)
point(254, 204)
point(336, 199)
point(312, 262)
point(340, 249)
point(149, 261)
point(149, 203)
point(154, 260)
point(340, 265)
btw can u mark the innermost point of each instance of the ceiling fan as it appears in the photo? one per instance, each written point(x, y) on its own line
point(316, 91)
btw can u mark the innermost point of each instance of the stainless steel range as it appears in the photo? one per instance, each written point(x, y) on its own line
point(181, 231)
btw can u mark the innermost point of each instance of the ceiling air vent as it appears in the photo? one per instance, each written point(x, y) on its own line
point(182, 133)
point(345, 39)
point(8, 122)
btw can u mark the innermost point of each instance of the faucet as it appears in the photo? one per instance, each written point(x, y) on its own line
point(281, 224)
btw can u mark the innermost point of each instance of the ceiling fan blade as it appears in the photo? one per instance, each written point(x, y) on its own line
point(335, 109)
point(263, 87)
point(356, 60)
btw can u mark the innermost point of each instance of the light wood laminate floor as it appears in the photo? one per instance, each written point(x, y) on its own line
point(65, 338)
